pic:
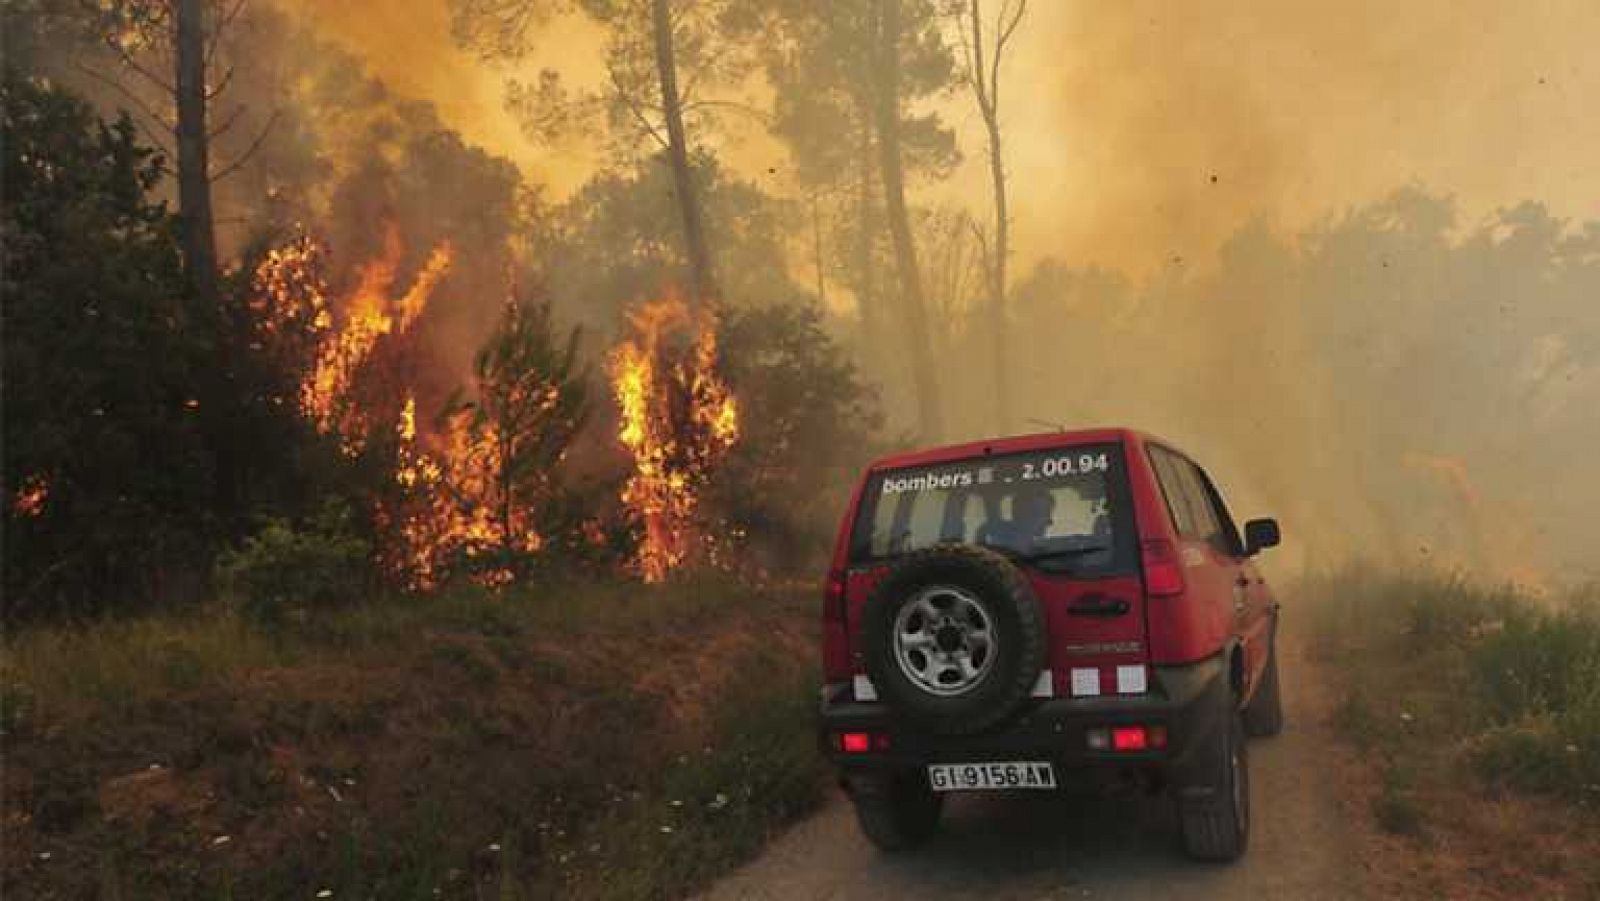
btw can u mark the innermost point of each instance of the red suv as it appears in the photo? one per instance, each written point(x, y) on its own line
point(1021, 613)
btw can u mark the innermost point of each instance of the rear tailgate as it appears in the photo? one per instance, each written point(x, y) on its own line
point(1082, 560)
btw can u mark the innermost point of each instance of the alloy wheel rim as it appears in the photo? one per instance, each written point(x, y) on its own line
point(944, 640)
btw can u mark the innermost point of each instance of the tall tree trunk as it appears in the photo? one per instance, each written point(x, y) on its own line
point(998, 327)
point(694, 235)
point(986, 87)
point(886, 107)
point(194, 166)
point(220, 403)
point(816, 246)
point(867, 301)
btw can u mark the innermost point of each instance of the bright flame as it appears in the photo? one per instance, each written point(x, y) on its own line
point(31, 497)
point(289, 295)
point(369, 313)
point(678, 420)
point(454, 513)
point(291, 302)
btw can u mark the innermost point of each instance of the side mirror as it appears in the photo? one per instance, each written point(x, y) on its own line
point(1260, 534)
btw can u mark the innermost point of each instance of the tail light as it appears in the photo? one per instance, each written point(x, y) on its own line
point(1129, 738)
point(833, 598)
point(861, 742)
point(1163, 572)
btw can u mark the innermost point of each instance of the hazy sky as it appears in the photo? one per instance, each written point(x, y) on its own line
point(1142, 131)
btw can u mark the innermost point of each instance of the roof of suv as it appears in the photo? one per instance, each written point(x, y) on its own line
point(1014, 444)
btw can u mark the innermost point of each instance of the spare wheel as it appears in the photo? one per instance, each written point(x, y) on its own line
point(954, 639)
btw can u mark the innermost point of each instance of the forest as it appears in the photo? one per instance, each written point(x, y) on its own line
point(270, 322)
point(354, 352)
point(382, 380)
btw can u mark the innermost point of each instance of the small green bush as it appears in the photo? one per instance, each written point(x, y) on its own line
point(1362, 605)
point(1395, 806)
point(1356, 718)
point(1516, 678)
point(283, 573)
point(1539, 680)
point(1539, 662)
point(1451, 608)
point(1529, 756)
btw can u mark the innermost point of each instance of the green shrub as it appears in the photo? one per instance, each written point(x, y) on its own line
point(1538, 678)
point(1451, 608)
point(1514, 678)
point(1356, 718)
point(283, 573)
point(1395, 806)
point(1539, 662)
point(1532, 755)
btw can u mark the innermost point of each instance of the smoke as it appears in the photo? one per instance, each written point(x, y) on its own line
point(1345, 253)
point(409, 46)
point(1210, 244)
point(1148, 132)
point(1338, 251)
point(1390, 383)
point(1145, 131)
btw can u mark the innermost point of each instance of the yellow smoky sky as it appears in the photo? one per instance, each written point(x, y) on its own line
point(409, 46)
point(1144, 131)
point(1140, 132)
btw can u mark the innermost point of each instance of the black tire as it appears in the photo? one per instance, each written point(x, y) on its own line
point(1263, 716)
point(1018, 625)
point(1214, 803)
point(897, 810)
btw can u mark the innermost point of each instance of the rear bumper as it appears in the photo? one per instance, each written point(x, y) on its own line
point(1187, 700)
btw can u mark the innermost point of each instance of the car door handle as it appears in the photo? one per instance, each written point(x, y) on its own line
point(1099, 606)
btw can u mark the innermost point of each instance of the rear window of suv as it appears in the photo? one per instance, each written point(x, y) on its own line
point(1065, 510)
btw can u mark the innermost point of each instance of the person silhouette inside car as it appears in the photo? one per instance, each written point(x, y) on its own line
point(1031, 509)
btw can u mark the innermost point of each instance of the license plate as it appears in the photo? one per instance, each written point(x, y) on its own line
point(955, 777)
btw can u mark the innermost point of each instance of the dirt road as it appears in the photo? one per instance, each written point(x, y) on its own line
point(1303, 845)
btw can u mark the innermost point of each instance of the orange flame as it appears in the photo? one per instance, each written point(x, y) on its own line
point(291, 300)
point(31, 497)
point(455, 513)
point(370, 313)
point(289, 290)
point(678, 420)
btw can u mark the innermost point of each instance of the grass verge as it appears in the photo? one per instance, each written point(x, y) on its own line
point(580, 740)
point(1477, 710)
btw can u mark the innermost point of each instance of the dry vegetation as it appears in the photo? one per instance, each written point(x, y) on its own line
point(1475, 713)
point(460, 745)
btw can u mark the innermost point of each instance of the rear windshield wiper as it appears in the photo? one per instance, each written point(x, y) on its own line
point(1059, 553)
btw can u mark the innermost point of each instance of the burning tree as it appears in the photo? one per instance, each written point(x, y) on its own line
point(470, 491)
point(288, 304)
point(481, 495)
point(678, 421)
point(370, 312)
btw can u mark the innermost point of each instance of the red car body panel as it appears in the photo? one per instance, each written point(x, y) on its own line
point(1224, 602)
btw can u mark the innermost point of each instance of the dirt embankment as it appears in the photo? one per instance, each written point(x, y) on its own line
point(598, 742)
